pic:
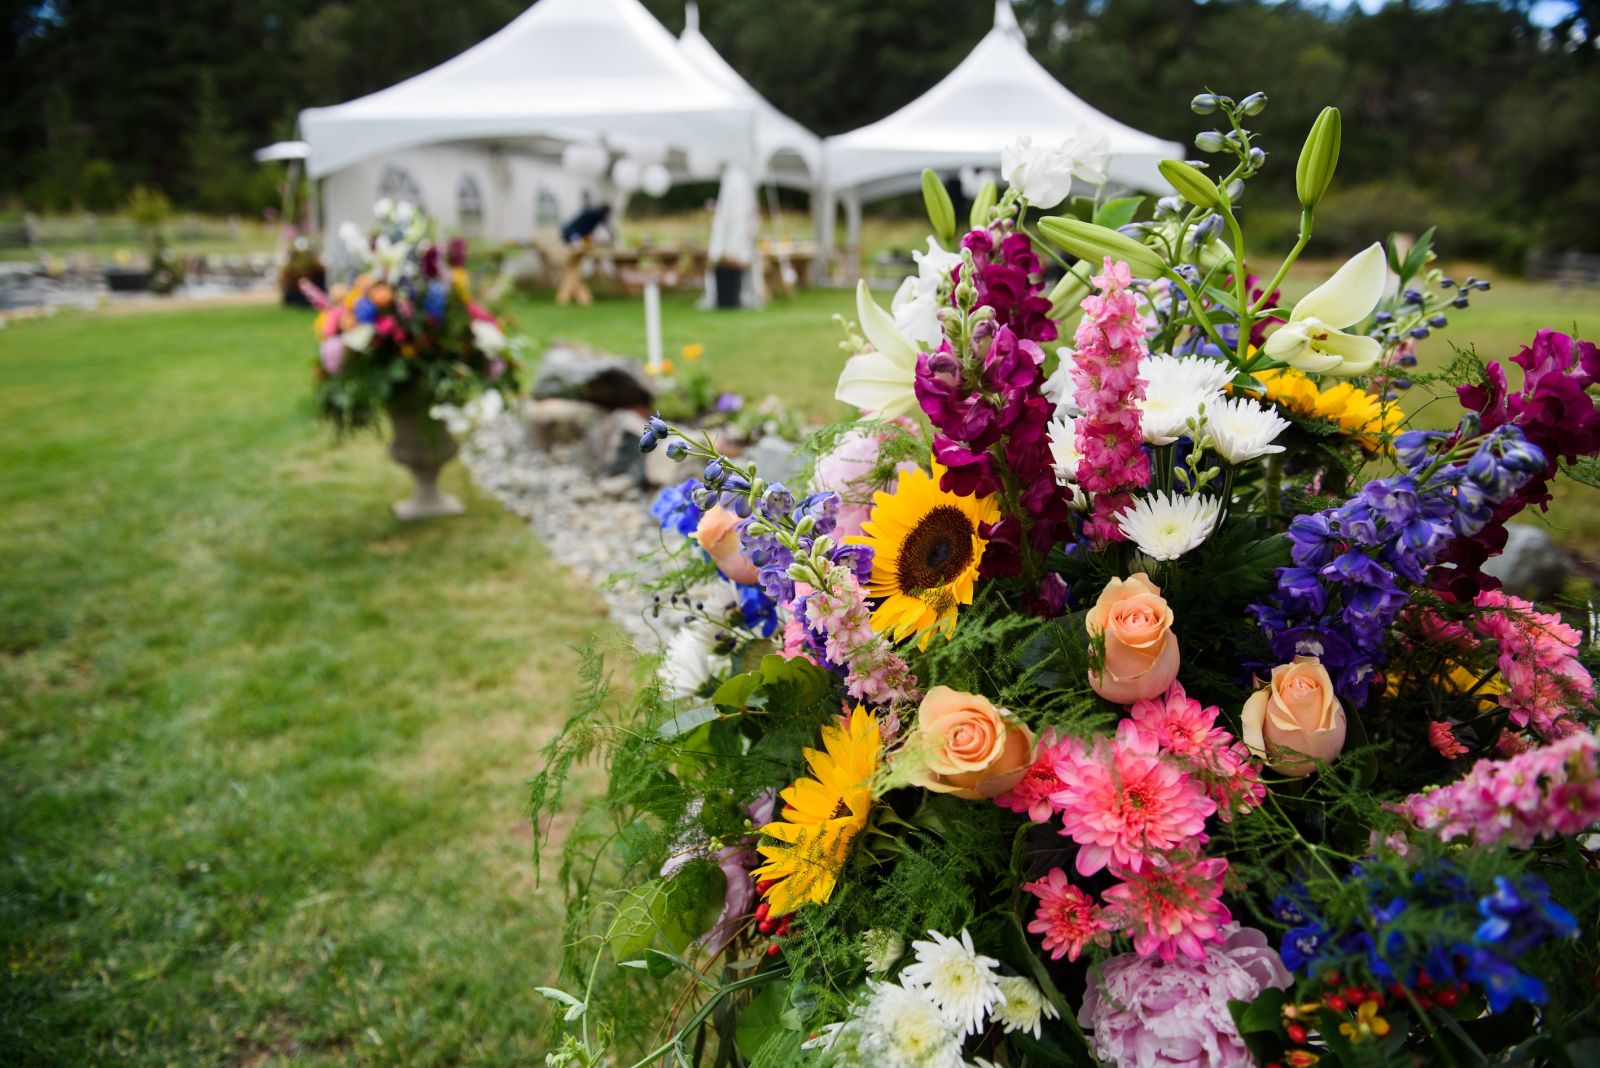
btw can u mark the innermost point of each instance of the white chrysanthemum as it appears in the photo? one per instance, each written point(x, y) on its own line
point(1063, 435)
point(902, 1028)
point(689, 660)
point(1242, 430)
point(1058, 387)
point(1175, 388)
point(1024, 1007)
point(961, 982)
point(1166, 525)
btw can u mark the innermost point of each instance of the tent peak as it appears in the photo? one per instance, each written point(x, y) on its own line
point(691, 17)
point(1005, 20)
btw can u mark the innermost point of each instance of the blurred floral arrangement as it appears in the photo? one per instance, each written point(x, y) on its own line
point(407, 326)
point(1139, 703)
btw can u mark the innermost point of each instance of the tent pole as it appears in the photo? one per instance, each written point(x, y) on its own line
point(822, 211)
point(852, 217)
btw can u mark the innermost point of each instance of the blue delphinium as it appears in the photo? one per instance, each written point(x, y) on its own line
point(760, 611)
point(1343, 590)
point(675, 510)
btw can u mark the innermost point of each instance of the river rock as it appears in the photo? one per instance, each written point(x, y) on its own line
point(557, 421)
point(574, 372)
point(1533, 566)
point(777, 460)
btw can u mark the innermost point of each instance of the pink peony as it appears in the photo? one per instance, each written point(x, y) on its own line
point(1122, 803)
point(1067, 917)
point(1148, 1013)
point(1173, 909)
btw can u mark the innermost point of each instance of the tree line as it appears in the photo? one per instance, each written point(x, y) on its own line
point(1467, 111)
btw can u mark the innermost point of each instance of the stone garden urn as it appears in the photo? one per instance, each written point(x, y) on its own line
point(422, 445)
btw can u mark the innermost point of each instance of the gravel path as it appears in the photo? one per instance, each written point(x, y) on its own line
point(598, 529)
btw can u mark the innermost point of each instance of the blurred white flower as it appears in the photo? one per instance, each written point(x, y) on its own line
point(1175, 388)
point(1313, 340)
point(882, 947)
point(901, 1028)
point(689, 660)
point(358, 337)
point(1242, 430)
point(1064, 452)
point(1043, 176)
point(354, 241)
point(488, 337)
point(1166, 525)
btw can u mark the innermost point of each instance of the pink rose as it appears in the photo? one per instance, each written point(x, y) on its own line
point(717, 536)
point(1297, 711)
point(1141, 652)
point(967, 746)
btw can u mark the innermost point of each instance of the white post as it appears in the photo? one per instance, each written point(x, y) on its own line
point(652, 326)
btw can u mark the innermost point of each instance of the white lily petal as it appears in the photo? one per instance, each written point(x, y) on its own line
point(875, 383)
point(1284, 342)
point(878, 326)
point(1356, 353)
point(1351, 294)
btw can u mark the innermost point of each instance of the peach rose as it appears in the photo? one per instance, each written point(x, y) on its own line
point(969, 747)
point(717, 536)
point(1141, 650)
point(1295, 711)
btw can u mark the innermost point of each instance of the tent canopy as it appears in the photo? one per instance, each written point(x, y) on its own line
point(568, 70)
point(786, 153)
point(997, 93)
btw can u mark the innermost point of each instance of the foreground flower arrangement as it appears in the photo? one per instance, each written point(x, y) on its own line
point(1144, 703)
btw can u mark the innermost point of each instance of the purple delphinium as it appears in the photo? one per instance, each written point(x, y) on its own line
point(1343, 590)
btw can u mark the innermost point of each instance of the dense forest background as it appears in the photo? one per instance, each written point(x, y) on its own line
point(1466, 111)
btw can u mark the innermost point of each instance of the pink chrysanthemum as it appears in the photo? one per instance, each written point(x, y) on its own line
point(1122, 803)
point(1177, 725)
point(1173, 909)
point(1031, 796)
point(1067, 918)
point(1443, 740)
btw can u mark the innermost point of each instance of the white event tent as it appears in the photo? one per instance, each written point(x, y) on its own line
point(479, 140)
point(996, 94)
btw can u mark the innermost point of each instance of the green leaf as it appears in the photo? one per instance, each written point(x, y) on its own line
point(658, 964)
point(575, 1008)
point(1264, 1014)
point(1118, 211)
point(686, 721)
point(803, 680)
point(761, 1024)
point(633, 929)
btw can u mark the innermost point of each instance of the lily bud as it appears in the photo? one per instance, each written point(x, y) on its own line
point(1094, 243)
point(942, 213)
point(981, 205)
point(1319, 157)
point(1070, 291)
point(1193, 186)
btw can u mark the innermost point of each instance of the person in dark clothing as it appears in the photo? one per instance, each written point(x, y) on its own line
point(585, 223)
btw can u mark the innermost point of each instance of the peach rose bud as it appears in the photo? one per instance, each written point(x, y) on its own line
point(1294, 717)
point(717, 536)
point(1141, 651)
point(967, 746)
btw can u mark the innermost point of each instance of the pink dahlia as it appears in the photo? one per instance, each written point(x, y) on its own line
point(1031, 796)
point(1146, 1013)
point(1172, 910)
point(1123, 803)
point(1067, 918)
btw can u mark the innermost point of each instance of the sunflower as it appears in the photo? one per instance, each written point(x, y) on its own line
point(805, 848)
point(926, 550)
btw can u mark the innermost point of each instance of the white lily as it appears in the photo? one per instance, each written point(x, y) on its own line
point(358, 337)
point(917, 302)
point(1314, 338)
point(882, 381)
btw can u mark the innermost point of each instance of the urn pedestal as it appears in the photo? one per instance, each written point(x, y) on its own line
point(422, 445)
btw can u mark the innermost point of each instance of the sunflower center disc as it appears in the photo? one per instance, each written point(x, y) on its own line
point(938, 549)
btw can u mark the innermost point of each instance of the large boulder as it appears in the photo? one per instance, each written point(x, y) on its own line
point(1533, 566)
point(777, 460)
point(575, 372)
point(611, 446)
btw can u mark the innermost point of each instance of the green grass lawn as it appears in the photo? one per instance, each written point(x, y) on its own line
point(262, 749)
